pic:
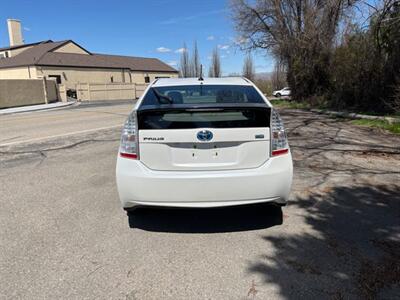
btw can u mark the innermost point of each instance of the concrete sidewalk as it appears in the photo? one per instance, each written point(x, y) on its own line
point(29, 108)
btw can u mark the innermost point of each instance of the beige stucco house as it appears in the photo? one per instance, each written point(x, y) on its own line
point(70, 64)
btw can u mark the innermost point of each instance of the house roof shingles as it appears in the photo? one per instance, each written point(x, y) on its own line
point(23, 45)
point(42, 55)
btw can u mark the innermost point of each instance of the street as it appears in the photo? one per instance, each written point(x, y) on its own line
point(33, 127)
point(63, 234)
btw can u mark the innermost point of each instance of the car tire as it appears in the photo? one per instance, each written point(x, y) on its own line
point(278, 95)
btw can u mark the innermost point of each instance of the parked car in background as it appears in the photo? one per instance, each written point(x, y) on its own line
point(203, 143)
point(283, 92)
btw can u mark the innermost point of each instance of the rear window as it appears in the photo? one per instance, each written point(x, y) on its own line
point(186, 119)
point(202, 94)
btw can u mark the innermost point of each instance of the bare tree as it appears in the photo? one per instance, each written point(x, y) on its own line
point(248, 67)
point(215, 67)
point(299, 32)
point(184, 67)
point(278, 77)
point(385, 32)
point(195, 61)
point(385, 17)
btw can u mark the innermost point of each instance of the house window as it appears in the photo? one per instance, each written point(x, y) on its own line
point(147, 79)
point(112, 78)
point(57, 78)
point(157, 77)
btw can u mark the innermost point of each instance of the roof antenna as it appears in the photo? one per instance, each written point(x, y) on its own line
point(201, 73)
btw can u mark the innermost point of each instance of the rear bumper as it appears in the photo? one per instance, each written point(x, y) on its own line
point(139, 185)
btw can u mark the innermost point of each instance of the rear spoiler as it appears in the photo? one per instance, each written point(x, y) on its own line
point(202, 107)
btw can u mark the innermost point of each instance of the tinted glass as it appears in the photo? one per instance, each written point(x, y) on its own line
point(183, 119)
point(202, 94)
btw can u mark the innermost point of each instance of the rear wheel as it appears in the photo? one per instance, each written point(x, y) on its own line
point(278, 95)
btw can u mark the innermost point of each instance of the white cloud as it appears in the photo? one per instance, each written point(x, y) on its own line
point(170, 21)
point(180, 50)
point(223, 47)
point(173, 63)
point(27, 29)
point(163, 49)
point(192, 17)
point(238, 41)
point(210, 38)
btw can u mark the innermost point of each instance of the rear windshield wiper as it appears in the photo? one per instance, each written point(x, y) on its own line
point(162, 99)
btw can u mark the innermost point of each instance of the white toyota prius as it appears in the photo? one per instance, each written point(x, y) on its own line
point(198, 142)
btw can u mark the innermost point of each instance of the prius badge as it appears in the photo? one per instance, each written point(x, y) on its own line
point(205, 135)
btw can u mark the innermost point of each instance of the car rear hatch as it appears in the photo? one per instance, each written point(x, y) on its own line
point(223, 136)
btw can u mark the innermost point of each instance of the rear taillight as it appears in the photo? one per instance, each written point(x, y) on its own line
point(279, 142)
point(129, 147)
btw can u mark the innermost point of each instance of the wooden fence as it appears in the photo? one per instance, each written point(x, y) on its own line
point(109, 91)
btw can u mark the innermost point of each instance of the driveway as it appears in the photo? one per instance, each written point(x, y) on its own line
point(63, 234)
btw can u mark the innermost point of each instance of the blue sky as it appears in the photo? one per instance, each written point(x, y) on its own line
point(151, 28)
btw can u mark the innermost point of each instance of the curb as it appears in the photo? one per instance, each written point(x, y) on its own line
point(40, 107)
point(390, 120)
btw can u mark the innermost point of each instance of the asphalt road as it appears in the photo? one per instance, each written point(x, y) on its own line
point(63, 234)
point(86, 117)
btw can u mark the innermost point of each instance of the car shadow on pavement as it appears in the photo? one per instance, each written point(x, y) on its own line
point(348, 248)
point(206, 220)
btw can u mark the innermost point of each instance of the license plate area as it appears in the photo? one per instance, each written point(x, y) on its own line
point(232, 148)
point(224, 152)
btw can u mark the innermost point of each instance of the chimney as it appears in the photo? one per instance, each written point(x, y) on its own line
point(15, 32)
